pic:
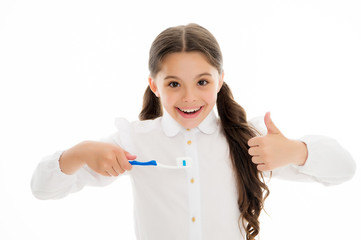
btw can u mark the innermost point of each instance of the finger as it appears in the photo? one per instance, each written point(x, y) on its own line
point(118, 169)
point(112, 172)
point(123, 160)
point(254, 151)
point(117, 166)
point(255, 141)
point(263, 167)
point(257, 160)
point(129, 156)
point(105, 173)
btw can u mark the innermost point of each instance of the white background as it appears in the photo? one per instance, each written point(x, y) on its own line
point(69, 68)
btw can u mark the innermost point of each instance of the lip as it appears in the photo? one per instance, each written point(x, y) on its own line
point(187, 115)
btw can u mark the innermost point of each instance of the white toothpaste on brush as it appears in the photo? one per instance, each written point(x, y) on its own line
point(182, 162)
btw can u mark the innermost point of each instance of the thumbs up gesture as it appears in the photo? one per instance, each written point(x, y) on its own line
point(274, 150)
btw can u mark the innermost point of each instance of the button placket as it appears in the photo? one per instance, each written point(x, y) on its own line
point(193, 185)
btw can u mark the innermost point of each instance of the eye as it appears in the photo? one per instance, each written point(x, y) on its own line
point(173, 84)
point(202, 82)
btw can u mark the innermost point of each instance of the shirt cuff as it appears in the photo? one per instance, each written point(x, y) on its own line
point(327, 161)
point(49, 182)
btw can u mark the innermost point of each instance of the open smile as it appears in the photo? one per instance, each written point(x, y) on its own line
point(189, 112)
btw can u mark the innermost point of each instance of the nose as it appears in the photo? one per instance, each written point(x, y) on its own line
point(189, 95)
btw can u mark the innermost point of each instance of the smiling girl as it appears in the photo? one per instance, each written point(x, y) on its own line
point(188, 87)
point(222, 194)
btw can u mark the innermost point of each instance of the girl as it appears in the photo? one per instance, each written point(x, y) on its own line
point(222, 194)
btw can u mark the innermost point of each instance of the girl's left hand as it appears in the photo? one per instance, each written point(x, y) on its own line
point(274, 150)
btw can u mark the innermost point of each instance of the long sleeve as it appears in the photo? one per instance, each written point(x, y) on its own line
point(327, 163)
point(49, 182)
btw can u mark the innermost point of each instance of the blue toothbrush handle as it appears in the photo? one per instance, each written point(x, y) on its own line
point(149, 163)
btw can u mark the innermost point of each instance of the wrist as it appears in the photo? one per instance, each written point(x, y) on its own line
point(69, 163)
point(301, 153)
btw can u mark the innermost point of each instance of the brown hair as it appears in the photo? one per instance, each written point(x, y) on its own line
point(251, 187)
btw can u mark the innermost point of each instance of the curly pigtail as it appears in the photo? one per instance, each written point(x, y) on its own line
point(250, 186)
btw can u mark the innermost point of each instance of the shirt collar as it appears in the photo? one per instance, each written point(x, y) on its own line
point(171, 127)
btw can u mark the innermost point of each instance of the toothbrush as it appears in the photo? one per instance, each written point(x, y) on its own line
point(182, 162)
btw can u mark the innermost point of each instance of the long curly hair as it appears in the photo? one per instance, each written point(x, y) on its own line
point(252, 191)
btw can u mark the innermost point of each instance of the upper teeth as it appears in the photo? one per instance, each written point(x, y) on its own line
point(190, 110)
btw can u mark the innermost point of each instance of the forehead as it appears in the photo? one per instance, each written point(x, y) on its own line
point(186, 63)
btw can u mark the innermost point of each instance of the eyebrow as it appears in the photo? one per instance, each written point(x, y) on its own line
point(198, 76)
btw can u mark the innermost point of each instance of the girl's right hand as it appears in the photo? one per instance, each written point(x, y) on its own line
point(104, 158)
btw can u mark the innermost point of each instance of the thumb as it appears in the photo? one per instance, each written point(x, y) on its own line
point(271, 127)
point(129, 156)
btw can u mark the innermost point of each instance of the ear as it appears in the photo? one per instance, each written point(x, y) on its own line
point(153, 86)
point(220, 83)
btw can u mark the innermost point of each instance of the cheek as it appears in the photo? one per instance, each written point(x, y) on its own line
point(167, 98)
point(210, 97)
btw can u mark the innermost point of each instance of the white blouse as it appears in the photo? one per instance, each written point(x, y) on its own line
point(194, 203)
